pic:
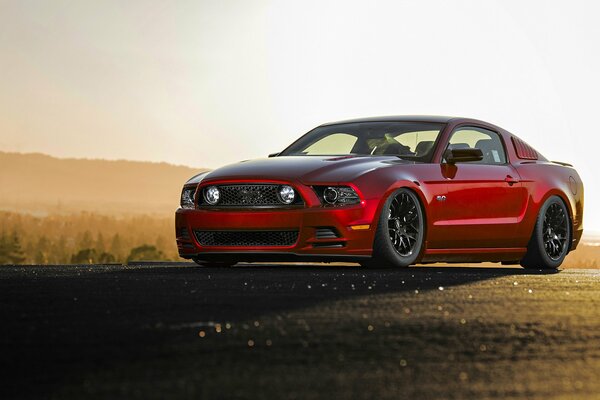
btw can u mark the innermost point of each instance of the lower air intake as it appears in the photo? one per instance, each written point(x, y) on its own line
point(326, 233)
point(247, 238)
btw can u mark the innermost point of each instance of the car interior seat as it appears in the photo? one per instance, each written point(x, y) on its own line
point(489, 148)
point(423, 148)
point(396, 148)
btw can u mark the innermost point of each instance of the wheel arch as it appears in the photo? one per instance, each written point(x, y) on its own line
point(414, 187)
point(566, 201)
point(402, 184)
point(547, 179)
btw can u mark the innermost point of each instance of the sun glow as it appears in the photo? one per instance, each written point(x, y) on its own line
point(210, 83)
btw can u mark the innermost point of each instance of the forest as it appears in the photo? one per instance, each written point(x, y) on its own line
point(85, 211)
point(85, 238)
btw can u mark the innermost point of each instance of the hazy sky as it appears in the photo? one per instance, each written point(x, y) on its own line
point(207, 83)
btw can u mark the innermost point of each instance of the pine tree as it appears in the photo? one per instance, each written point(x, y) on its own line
point(4, 249)
point(43, 244)
point(100, 246)
point(86, 241)
point(40, 258)
point(10, 249)
point(29, 249)
point(17, 252)
point(106, 258)
point(84, 256)
point(116, 247)
point(59, 252)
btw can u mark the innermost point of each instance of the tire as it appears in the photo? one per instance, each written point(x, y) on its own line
point(213, 264)
point(551, 238)
point(400, 231)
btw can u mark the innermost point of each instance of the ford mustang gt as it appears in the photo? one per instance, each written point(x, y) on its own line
point(388, 191)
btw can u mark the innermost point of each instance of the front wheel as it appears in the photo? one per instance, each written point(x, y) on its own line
point(400, 231)
point(550, 241)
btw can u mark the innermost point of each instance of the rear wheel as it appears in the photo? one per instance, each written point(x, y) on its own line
point(213, 264)
point(400, 231)
point(550, 241)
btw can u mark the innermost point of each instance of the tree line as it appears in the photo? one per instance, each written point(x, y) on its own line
point(85, 238)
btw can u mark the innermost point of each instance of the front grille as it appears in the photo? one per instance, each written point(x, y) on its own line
point(250, 195)
point(247, 238)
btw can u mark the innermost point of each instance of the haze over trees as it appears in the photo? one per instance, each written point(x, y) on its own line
point(60, 211)
point(41, 184)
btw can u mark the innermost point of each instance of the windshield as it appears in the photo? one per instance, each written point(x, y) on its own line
point(410, 140)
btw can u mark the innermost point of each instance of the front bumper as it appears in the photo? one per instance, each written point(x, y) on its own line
point(350, 244)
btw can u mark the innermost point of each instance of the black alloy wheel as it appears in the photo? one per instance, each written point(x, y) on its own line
point(400, 231)
point(404, 223)
point(551, 238)
point(555, 231)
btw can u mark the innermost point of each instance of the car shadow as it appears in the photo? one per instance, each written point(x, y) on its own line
point(62, 321)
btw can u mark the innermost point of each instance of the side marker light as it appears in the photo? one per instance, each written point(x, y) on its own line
point(359, 227)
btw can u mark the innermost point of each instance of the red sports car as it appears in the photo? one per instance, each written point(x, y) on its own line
point(388, 191)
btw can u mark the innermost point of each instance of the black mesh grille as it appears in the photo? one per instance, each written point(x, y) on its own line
point(249, 195)
point(247, 238)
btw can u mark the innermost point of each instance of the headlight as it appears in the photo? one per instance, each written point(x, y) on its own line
point(286, 194)
point(330, 195)
point(187, 197)
point(337, 195)
point(212, 195)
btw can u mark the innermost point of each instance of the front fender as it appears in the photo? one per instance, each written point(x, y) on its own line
point(378, 185)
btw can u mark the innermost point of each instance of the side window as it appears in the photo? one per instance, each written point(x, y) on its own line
point(338, 143)
point(485, 140)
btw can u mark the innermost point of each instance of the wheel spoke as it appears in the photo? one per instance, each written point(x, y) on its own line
point(403, 224)
point(413, 237)
point(555, 229)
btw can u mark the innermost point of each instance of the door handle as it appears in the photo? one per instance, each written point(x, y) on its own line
point(510, 180)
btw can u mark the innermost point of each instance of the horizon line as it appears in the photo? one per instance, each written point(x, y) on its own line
point(73, 158)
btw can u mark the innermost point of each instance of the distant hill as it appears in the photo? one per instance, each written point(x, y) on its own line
point(41, 184)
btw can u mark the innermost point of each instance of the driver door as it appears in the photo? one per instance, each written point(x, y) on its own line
point(484, 201)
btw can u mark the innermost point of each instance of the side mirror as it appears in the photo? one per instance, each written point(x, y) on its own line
point(274, 154)
point(454, 156)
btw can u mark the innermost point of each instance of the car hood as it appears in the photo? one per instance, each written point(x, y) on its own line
point(307, 169)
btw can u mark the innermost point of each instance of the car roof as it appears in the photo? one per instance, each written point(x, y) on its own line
point(403, 118)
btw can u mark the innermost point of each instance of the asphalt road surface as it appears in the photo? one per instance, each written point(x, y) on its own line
point(298, 332)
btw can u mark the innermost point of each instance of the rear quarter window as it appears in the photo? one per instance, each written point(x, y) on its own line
point(523, 150)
